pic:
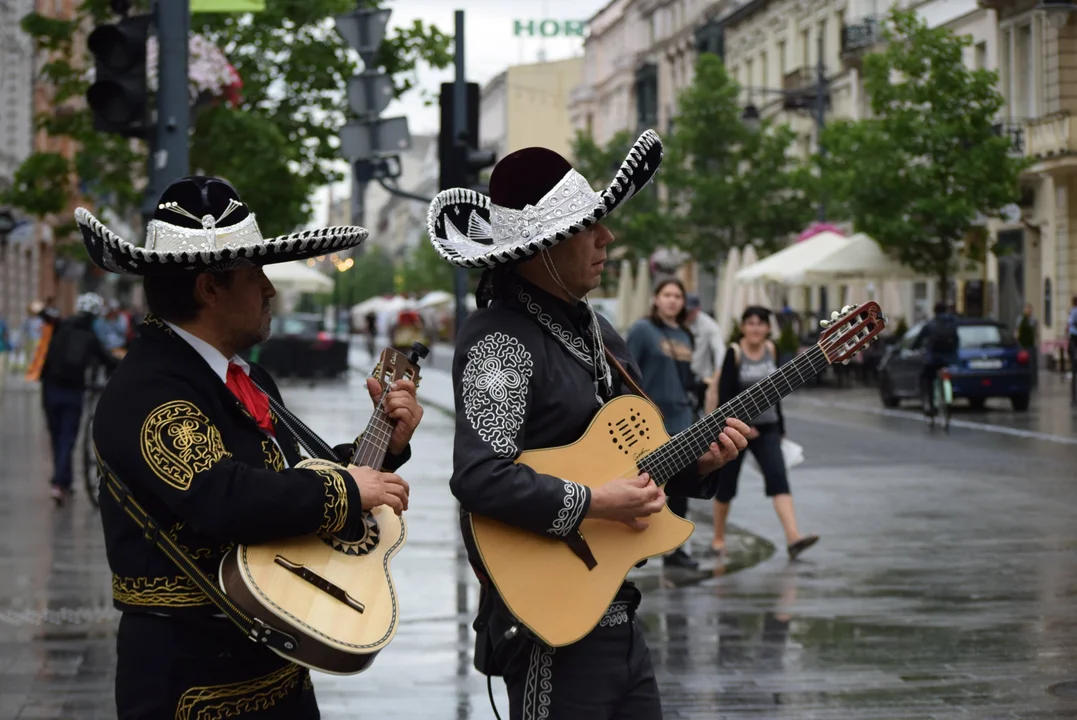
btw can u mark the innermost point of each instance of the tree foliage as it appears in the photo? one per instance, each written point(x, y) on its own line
point(423, 271)
point(916, 174)
point(731, 185)
point(277, 146)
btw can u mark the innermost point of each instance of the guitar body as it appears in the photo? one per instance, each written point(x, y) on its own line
point(334, 636)
point(543, 583)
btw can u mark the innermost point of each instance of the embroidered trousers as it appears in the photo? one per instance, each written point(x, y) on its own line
point(606, 676)
point(200, 668)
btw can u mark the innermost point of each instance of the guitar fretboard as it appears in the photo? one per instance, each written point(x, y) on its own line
point(684, 448)
point(375, 441)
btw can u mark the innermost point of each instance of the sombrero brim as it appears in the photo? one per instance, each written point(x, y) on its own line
point(459, 220)
point(112, 253)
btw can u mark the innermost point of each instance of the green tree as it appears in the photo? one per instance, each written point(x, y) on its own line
point(424, 271)
point(277, 146)
point(371, 275)
point(916, 174)
point(731, 186)
point(642, 224)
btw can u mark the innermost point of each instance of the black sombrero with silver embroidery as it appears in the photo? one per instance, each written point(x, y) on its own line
point(536, 200)
point(200, 225)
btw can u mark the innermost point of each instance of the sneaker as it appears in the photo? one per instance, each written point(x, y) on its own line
point(679, 558)
point(59, 495)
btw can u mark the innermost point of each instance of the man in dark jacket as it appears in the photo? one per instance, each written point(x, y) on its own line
point(188, 426)
point(74, 351)
point(530, 371)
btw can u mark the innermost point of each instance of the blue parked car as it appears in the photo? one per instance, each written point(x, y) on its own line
point(990, 364)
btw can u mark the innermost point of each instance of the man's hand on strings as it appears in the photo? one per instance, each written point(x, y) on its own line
point(732, 440)
point(401, 407)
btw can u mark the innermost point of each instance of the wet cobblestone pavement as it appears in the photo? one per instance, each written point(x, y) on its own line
point(945, 584)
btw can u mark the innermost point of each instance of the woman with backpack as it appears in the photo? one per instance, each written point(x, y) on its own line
point(662, 346)
point(748, 361)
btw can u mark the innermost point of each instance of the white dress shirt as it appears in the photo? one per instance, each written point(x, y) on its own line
point(218, 363)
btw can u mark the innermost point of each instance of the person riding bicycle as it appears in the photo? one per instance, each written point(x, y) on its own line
point(74, 349)
point(939, 340)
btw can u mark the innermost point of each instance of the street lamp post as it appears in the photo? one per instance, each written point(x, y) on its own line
point(751, 116)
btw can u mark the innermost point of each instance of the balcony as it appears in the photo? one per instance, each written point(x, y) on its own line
point(797, 79)
point(860, 36)
point(1016, 133)
point(1050, 136)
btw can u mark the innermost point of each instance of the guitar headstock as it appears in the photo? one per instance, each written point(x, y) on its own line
point(395, 365)
point(851, 330)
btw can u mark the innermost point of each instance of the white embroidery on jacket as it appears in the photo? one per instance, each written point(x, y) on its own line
point(617, 614)
point(568, 516)
point(539, 683)
point(494, 390)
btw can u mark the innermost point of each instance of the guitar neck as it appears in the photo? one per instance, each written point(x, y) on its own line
point(375, 441)
point(684, 448)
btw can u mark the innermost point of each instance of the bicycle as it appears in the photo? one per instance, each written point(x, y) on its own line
point(91, 479)
point(942, 394)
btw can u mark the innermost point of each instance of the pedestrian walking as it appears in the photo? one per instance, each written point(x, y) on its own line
point(709, 346)
point(662, 346)
point(74, 350)
point(746, 362)
point(1072, 327)
point(1027, 330)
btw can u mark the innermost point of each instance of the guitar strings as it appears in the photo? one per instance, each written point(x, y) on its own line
point(738, 406)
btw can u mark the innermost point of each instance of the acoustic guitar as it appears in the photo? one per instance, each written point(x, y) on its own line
point(333, 592)
point(560, 590)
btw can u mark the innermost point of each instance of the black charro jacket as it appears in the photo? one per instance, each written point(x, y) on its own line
point(198, 463)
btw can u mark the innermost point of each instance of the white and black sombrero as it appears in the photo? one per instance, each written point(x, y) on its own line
point(536, 200)
point(200, 225)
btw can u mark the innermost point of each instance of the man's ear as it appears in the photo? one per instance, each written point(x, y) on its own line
point(207, 290)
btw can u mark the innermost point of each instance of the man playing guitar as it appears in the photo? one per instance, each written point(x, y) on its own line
point(186, 425)
point(530, 371)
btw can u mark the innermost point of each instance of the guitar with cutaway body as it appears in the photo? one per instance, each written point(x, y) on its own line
point(559, 591)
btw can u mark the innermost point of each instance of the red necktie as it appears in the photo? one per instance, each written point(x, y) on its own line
point(253, 399)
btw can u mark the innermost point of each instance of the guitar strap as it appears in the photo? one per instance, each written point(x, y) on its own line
point(628, 379)
point(252, 627)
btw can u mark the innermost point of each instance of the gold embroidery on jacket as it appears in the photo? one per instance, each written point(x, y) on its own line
point(173, 592)
point(274, 457)
point(214, 702)
point(336, 501)
point(198, 553)
point(178, 442)
point(154, 321)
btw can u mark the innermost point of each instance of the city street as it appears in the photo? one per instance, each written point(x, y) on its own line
point(944, 585)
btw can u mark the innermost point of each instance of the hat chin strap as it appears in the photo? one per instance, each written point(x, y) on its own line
point(552, 269)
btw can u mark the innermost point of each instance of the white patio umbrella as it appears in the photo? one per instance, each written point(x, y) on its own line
point(624, 296)
point(789, 265)
point(297, 276)
point(723, 302)
point(434, 298)
point(892, 305)
point(641, 294)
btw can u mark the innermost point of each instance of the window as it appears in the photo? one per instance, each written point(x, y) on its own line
point(821, 43)
point(981, 56)
point(765, 79)
point(977, 337)
point(805, 47)
point(781, 58)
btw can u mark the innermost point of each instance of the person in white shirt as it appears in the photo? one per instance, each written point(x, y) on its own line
point(710, 345)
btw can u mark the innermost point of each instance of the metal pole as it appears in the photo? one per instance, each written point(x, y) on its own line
point(820, 118)
point(459, 122)
point(173, 107)
point(359, 188)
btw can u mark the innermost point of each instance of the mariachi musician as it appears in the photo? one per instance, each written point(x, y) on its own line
point(530, 371)
point(187, 426)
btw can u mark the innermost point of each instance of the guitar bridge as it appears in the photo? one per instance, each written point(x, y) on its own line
point(321, 583)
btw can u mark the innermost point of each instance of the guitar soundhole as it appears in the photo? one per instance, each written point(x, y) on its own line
point(628, 432)
point(356, 539)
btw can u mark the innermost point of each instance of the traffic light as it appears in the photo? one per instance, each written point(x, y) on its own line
point(461, 161)
point(118, 97)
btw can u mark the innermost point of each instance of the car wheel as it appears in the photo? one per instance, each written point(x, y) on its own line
point(886, 393)
point(1020, 402)
point(977, 403)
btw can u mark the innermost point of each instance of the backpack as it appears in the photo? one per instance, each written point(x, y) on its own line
point(943, 338)
point(70, 353)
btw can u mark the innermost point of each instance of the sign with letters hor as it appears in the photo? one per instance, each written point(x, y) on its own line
point(548, 28)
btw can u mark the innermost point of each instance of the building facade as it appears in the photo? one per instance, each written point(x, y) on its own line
point(20, 252)
point(526, 105)
point(1037, 59)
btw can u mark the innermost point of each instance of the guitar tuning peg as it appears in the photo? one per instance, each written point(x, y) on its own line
point(824, 323)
